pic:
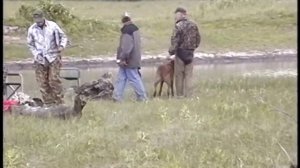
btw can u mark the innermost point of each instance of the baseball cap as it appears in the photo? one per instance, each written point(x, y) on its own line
point(38, 14)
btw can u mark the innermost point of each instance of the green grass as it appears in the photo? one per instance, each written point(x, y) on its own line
point(224, 24)
point(234, 122)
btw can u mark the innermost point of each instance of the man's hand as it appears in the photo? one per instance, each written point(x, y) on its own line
point(171, 52)
point(60, 48)
point(39, 58)
point(122, 63)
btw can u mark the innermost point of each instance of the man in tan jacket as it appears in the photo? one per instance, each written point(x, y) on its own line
point(185, 39)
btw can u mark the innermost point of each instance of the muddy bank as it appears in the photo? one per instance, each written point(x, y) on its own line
point(150, 60)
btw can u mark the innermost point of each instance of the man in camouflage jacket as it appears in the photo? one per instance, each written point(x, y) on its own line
point(185, 39)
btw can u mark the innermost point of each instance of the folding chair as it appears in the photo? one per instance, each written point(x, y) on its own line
point(70, 74)
point(12, 86)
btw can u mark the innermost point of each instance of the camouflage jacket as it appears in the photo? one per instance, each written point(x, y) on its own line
point(185, 36)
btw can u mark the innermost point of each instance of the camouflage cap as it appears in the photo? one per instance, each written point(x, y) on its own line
point(38, 14)
point(181, 10)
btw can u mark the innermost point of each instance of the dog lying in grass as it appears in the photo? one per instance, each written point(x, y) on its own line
point(165, 74)
point(101, 89)
point(57, 111)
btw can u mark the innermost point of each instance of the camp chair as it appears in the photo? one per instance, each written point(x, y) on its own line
point(70, 74)
point(12, 86)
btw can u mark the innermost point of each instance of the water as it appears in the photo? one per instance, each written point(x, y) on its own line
point(201, 72)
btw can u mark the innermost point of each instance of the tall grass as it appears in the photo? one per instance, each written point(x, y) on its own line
point(231, 122)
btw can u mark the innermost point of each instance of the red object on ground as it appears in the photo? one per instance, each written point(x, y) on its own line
point(7, 105)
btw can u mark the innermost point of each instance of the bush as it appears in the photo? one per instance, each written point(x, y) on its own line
point(53, 11)
point(62, 16)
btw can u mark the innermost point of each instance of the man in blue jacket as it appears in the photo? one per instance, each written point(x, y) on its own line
point(129, 61)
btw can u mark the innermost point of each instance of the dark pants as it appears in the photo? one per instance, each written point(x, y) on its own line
point(183, 77)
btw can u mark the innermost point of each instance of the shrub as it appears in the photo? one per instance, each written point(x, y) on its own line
point(62, 16)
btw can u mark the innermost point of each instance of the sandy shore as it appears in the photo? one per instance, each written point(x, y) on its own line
point(154, 60)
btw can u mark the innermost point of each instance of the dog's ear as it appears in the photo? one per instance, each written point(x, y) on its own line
point(83, 103)
point(38, 101)
point(82, 99)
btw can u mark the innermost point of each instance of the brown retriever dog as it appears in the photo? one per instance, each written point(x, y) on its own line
point(165, 73)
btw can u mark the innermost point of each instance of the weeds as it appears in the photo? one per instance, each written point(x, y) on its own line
point(229, 127)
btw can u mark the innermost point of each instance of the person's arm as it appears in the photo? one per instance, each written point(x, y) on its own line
point(119, 49)
point(198, 37)
point(175, 39)
point(126, 47)
point(62, 36)
point(31, 45)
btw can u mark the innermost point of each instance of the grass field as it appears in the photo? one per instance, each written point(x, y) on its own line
point(234, 122)
point(224, 24)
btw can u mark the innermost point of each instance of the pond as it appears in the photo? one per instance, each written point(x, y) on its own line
point(201, 72)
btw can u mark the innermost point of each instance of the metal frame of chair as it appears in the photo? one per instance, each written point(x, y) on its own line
point(71, 78)
point(13, 86)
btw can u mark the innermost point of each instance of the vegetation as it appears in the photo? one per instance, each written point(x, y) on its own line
point(231, 122)
point(60, 14)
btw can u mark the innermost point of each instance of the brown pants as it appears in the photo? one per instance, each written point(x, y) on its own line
point(49, 80)
point(183, 77)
